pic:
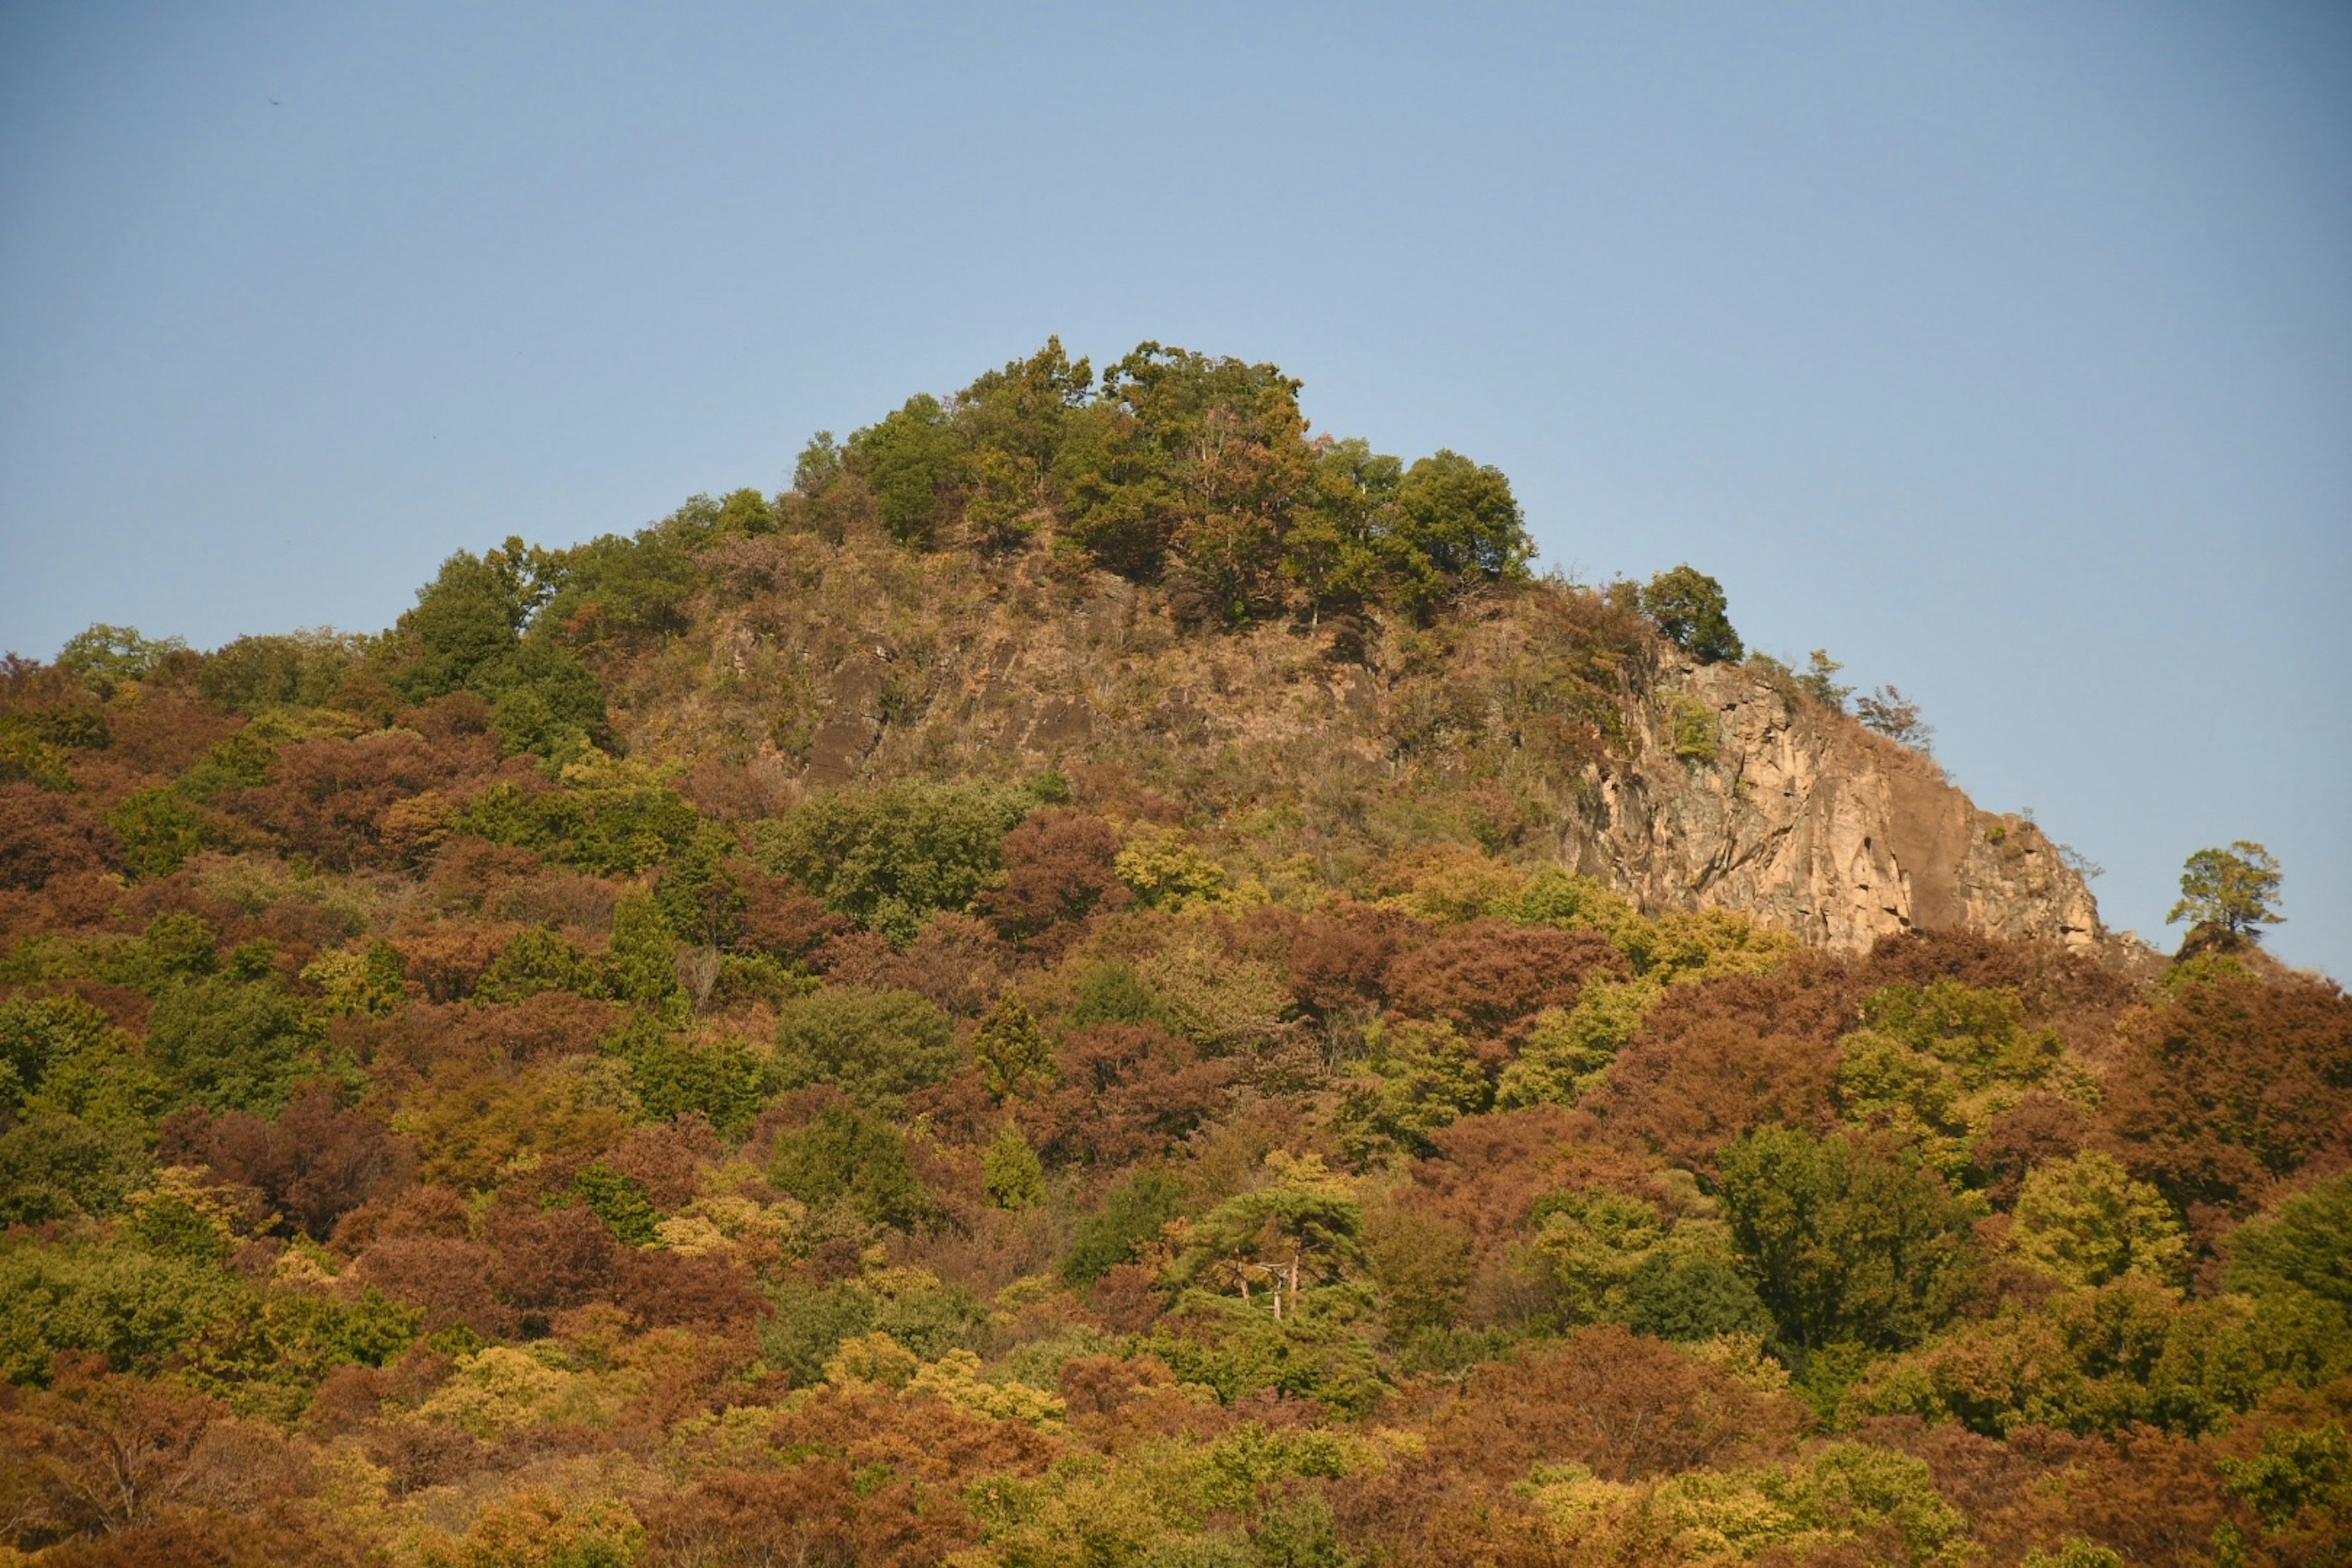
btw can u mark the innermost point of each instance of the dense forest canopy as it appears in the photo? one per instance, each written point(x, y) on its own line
point(483, 1094)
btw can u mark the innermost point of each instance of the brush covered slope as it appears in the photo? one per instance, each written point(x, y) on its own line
point(1105, 982)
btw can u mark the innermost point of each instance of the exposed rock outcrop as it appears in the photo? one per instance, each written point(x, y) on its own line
point(1784, 810)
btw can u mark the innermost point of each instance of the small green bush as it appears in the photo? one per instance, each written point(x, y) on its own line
point(889, 855)
point(876, 1046)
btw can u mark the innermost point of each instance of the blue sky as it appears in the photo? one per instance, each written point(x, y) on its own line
point(2003, 349)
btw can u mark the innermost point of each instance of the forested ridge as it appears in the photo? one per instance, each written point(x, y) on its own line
point(878, 1024)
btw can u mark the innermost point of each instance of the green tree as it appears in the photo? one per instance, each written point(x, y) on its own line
point(1454, 523)
point(1691, 612)
point(1844, 1244)
point(889, 856)
point(2233, 889)
point(2297, 1263)
point(641, 964)
point(158, 832)
point(817, 467)
point(700, 894)
point(2087, 1221)
point(54, 1166)
point(619, 1201)
point(1820, 680)
point(1333, 551)
point(538, 960)
point(2296, 1472)
point(136, 1307)
point(1018, 419)
point(37, 1032)
point(1013, 1051)
point(630, 588)
point(472, 612)
point(1300, 1230)
point(231, 1043)
point(1011, 1172)
point(727, 1080)
point(543, 699)
point(849, 1157)
point(103, 655)
point(1425, 1077)
point(1132, 1213)
point(1684, 1294)
point(876, 1046)
point(914, 460)
point(1185, 454)
point(255, 673)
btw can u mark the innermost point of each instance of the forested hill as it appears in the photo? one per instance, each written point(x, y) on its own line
point(1108, 980)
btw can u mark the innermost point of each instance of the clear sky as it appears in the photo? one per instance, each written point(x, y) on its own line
point(2003, 349)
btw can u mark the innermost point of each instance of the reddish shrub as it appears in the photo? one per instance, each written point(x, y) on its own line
point(43, 834)
point(447, 1278)
point(551, 1259)
point(1057, 869)
point(956, 962)
point(314, 1163)
point(75, 899)
point(1488, 1171)
point(781, 918)
point(1099, 1385)
point(1487, 974)
point(2149, 1495)
point(2050, 980)
point(816, 1512)
point(664, 1158)
point(459, 716)
point(1124, 1092)
point(412, 1212)
point(445, 959)
point(421, 1453)
point(181, 1537)
point(663, 1290)
point(108, 1450)
point(1687, 1094)
point(1112, 791)
point(1624, 1406)
point(918, 1438)
point(1422, 1515)
point(2041, 1126)
point(326, 799)
point(1341, 957)
point(2231, 1083)
point(470, 874)
point(1813, 996)
point(455, 1040)
point(166, 733)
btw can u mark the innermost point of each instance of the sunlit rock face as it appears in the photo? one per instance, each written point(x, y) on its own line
point(1802, 817)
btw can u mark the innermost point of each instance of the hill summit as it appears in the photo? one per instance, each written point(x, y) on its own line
point(1319, 657)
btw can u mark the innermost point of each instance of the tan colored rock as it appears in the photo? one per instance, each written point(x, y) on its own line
point(1803, 818)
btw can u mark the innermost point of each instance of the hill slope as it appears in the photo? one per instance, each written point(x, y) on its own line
point(1537, 719)
point(1101, 982)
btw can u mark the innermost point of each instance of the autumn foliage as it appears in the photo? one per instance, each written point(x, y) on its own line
point(442, 1123)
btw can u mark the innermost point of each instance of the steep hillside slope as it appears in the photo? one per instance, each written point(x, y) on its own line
point(1541, 720)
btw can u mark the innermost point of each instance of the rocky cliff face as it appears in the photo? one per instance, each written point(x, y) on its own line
point(1547, 722)
point(1745, 797)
